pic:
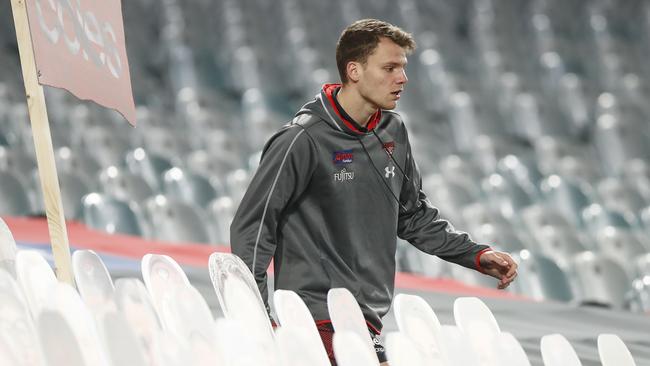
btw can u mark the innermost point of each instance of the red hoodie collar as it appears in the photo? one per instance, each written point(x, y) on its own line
point(329, 89)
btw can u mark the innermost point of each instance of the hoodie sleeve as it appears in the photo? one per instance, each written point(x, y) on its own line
point(420, 224)
point(287, 163)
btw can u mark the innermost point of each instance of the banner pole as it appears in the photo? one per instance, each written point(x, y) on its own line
point(43, 145)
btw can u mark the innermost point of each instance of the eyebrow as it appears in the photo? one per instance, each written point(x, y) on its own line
point(392, 63)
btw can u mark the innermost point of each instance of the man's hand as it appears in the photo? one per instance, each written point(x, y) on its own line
point(500, 266)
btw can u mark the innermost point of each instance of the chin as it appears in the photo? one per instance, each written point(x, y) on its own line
point(389, 105)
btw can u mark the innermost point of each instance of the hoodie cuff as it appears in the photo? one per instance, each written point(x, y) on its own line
point(478, 259)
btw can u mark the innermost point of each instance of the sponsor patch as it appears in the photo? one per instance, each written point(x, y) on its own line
point(344, 175)
point(389, 147)
point(342, 157)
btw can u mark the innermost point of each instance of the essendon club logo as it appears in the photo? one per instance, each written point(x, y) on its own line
point(389, 147)
point(342, 157)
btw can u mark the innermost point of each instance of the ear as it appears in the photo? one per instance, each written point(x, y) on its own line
point(354, 71)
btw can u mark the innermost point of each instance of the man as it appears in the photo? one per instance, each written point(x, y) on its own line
point(338, 184)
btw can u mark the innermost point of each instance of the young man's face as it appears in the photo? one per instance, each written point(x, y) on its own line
point(383, 77)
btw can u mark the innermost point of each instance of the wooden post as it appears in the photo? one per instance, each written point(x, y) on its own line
point(43, 144)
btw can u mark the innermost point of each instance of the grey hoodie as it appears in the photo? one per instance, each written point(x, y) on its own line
point(327, 203)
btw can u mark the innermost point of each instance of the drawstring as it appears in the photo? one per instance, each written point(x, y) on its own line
point(380, 176)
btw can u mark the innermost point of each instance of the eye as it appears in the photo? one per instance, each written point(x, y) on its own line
point(389, 68)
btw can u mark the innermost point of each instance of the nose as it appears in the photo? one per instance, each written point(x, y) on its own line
point(402, 79)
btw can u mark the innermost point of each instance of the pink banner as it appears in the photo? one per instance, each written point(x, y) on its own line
point(79, 46)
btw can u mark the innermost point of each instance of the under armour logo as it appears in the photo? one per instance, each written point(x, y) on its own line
point(390, 171)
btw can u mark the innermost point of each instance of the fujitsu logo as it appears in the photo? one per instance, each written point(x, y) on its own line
point(343, 175)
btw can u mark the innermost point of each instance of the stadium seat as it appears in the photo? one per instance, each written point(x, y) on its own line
point(111, 215)
point(35, 278)
point(68, 160)
point(93, 282)
point(13, 198)
point(352, 350)
point(613, 351)
point(60, 344)
point(17, 161)
point(7, 249)
point(103, 144)
point(639, 297)
point(63, 300)
point(622, 246)
point(120, 340)
point(293, 314)
point(149, 166)
point(619, 196)
point(295, 347)
point(600, 280)
point(135, 304)
point(402, 352)
point(73, 188)
point(175, 221)
point(522, 170)
point(239, 296)
point(189, 188)
point(162, 277)
point(568, 198)
point(125, 185)
point(618, 142)
point(557, 351)
point(419, 324)
point(470, 312)
point(541, 278)
point(559, 243)
point(25, 343)
point(643, 265)
point(596, 218)
point(504, 195)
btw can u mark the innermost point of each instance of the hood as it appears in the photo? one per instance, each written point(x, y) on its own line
point(324, 107)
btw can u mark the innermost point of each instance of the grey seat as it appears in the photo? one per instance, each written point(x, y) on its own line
point(540, 278)
point(595, 217)
point(213, 165)
point(600, 280)
point(619, 196)
point(236, 184)
point(567, 197)
point(109, 214)
point(504, 195)
point(175, 221)
point(523, 171)
point(636, 172)
point(220, 214)
point(164, 142)
point(621, 245)
point(13, 198)
point(535, 217)
point(639, 297)
point(125, 185)
point(559, 242)
point(448, 196)
point(68, 160)
point(189, 188)
point(17, 161)
point(104, 145)
point(643, 265)
point(618, 142)
point(149, 166)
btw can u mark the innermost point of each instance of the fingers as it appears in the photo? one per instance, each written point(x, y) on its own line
point(505, 282)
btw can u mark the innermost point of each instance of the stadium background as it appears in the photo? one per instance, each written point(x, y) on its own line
point(529, 121)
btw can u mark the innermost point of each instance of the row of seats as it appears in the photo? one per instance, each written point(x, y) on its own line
point(529, 126)
point(166, 318)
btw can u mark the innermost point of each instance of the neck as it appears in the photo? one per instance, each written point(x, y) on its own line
point(355, 105)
